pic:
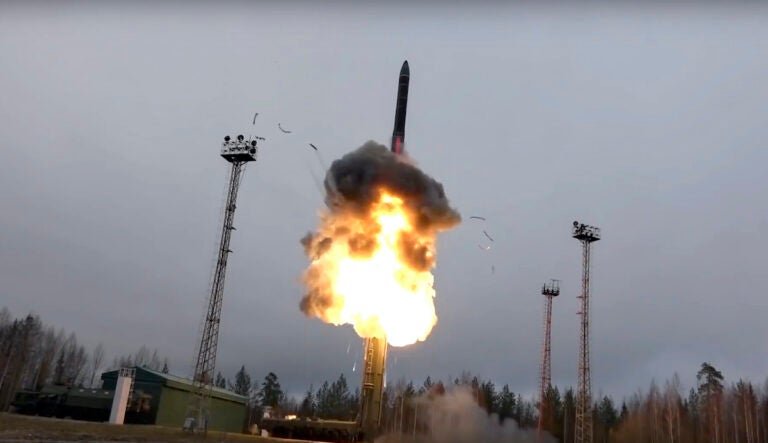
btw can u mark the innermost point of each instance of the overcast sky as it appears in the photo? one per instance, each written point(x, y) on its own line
point(650, 123)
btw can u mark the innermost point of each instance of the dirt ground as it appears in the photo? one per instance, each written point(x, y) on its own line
point(23, 428)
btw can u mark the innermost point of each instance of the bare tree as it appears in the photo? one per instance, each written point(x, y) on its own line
point(654, 406)
point(72, 362)
point(154, 362)
point(744, 405)
point(80, 366)
point(17, 343)
point(49, 344)
point(97, 360)
point(141, 358)
point(34, 333)
point(672, 402)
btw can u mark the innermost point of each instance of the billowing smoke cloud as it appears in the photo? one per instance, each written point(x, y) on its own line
point(455, 417)
point(365, 189)
point(353, 183)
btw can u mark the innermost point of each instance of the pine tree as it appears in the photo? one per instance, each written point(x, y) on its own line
point(554, 417)
point(338, 399)
point(323, 406)
point(270, 392)
point(624, 411)
point(242, 384)
point(307, 407)
point(711, 397)
point(487, 397)
point(506, 403)
point(607, 416)
point(354, 403)
point(426, 386)
point(220, 382)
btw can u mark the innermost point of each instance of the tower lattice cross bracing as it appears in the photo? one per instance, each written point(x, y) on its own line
point(238, 153)
point(586, 235)
point(549, 291)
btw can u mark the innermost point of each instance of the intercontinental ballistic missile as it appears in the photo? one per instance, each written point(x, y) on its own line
point(398, 134)
point(375, 353)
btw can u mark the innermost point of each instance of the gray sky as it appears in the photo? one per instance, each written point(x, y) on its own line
point(648, 122)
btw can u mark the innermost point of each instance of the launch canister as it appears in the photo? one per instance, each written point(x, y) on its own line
point(398, 134)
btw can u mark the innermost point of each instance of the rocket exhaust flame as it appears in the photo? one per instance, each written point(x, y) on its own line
point(374, 250)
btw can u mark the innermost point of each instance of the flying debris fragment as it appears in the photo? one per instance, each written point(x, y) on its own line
point(493, 269)
point(284, 131)
point(254, 117)
point(316, 179)
point(319, 156)
point(487, 235)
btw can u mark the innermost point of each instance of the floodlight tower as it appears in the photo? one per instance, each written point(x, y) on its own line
point(549, 291)
point(238, 153)
point(586, 235)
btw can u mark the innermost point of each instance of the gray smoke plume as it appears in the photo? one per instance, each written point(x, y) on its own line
point(455, 417)
point(354, 180)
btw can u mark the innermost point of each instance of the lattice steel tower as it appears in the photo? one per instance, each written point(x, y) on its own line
point(549, 291)
point(586, 235)
point(238, 153)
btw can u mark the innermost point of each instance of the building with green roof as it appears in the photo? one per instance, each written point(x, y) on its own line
point(164, 399)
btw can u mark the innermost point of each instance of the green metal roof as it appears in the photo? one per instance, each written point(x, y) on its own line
point(147, 375)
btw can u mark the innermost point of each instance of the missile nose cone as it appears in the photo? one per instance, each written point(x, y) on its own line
point(404, 70)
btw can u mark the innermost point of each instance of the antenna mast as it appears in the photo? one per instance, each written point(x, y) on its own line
point(586, 235)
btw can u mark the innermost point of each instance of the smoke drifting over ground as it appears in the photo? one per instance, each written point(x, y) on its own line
point(455, 417)
point(375, 247)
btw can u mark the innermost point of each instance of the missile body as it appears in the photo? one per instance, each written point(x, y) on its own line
point(375, 354)
point(398, 134)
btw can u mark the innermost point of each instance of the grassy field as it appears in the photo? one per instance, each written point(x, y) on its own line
point(23, 427)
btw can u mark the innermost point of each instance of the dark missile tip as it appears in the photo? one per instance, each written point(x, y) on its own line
point(405, 70)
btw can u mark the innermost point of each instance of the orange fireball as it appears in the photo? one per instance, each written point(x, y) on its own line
point(374, 251)
point(370, 282)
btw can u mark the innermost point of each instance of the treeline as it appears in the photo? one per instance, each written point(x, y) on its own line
point(401, 409)
point(336, 400)
point(713, 411)
point(33, 355)
point(332, 400)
